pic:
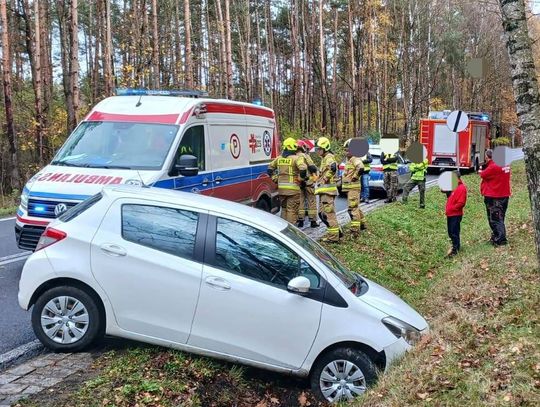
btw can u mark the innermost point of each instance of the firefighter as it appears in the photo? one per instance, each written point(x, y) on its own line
point(326, 188)
point(354, 168)
point(390, 166)
point(418, 178)
point(307, 194)
point(366, 160)
point(291, 174)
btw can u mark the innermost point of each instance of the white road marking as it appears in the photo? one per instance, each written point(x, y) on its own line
point(5, 219)
point(14, 258)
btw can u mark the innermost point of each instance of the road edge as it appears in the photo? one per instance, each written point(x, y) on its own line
point(20, 354)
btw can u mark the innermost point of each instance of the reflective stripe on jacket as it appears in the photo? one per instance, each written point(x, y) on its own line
point(288, 177)
point(326, 183)
point(351, 175)
point(389, 162)
point(418, 171)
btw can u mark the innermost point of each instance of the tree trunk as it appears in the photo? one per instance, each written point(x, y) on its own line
point(187, 53)
point(527, 98)
point(8, 91)
point(155, 46)
point(107, 51)
point(74, 62)
point(230, 87)
point(352, 61)
point(322, 61)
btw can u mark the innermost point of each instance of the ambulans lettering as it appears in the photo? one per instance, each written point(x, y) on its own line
point(81, 178)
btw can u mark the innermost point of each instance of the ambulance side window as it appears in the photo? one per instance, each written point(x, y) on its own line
point(193, 144)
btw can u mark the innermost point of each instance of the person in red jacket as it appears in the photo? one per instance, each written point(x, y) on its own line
point(495, 187)
point(454, 213)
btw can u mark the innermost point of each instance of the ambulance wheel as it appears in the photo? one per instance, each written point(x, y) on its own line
point(263, 204)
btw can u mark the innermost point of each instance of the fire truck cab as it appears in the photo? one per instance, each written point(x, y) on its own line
point(168, 139)
point(441, 142)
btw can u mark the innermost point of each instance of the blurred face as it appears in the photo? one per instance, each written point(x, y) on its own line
point(486, 158)
point(320, 151)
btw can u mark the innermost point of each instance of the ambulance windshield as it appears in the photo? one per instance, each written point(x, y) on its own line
point(138, 146)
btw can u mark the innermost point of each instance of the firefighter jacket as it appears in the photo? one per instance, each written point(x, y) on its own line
point(389, 162)
point(495, 181)
point(367, 160)
point(326, 183)
point(311, 168)
point(351, 176)
point(418, 171)
point(291, 170)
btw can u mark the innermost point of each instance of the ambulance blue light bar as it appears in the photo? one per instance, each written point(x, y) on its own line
point(159, 92)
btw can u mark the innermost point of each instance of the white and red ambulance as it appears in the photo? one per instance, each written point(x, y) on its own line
point(168, 139)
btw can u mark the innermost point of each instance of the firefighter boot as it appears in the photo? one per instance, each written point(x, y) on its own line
point(324, 219)
point(313, 224)
point(300, 223)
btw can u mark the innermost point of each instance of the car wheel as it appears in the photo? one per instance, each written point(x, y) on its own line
point(66, 319)
point(342, 374)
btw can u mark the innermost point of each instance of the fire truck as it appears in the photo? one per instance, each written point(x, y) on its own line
point(440, 141)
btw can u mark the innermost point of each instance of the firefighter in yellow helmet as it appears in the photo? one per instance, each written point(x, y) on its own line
point(354, 167)
point(307, 194)
point(291, 176)
point(326, 188)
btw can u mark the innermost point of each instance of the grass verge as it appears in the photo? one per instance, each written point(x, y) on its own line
point(483, 307)
point(9, 204)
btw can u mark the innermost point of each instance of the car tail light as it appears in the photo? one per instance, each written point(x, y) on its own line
point(49, 237)
point(379, 169)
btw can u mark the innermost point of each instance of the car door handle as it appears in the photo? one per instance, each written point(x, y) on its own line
point(205, 182)
point(218, 180)
point(113, 250)
point(218, 283)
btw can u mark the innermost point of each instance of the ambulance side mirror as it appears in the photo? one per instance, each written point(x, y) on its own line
point(187, 165)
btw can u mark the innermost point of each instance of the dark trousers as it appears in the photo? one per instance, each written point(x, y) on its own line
point(496, 213)
point(454, 228)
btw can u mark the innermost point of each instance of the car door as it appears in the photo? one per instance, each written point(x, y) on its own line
point(404, 173)
point(244, 307)
point(147, 257)
point(194, 142)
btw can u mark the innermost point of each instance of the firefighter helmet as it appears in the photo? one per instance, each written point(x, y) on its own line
point(290, 144)
point(323, 143)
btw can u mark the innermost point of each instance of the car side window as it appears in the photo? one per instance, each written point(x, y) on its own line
point(253, 253)
point(165, 229)
point(193, 144)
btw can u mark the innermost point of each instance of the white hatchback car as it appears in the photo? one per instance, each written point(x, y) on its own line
point(215, 278)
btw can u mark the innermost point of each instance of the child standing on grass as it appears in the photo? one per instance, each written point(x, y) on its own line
point(454, 212)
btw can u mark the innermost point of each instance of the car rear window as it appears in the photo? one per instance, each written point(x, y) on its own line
point(376, 159)
point(75, 211)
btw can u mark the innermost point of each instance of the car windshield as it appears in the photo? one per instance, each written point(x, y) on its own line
point(141, 146)
point(346, 276)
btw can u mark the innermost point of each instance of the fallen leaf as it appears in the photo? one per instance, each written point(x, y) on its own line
point(302, 400)
point(422, 396)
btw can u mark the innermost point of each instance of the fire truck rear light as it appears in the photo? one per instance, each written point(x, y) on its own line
point(49, 237)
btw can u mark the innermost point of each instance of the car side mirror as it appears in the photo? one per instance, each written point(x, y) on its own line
point(299, 285)
point(187, 165)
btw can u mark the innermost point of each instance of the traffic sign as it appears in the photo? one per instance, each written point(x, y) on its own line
point(457, 121)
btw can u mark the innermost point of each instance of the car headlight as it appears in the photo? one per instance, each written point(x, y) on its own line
point(24, 200)
point(402, 329)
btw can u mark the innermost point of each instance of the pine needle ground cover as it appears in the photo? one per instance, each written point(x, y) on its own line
point(483, 308)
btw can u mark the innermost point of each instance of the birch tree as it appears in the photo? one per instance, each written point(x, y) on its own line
point(527, 98)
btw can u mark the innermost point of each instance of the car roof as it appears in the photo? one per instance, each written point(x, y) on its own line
point(196, 201)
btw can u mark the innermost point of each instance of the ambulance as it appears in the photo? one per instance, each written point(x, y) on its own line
point(168, 139)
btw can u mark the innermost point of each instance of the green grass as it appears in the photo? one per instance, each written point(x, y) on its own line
point(483, 308)
point(9, 204)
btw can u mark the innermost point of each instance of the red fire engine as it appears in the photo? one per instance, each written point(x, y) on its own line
point(440, 141)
